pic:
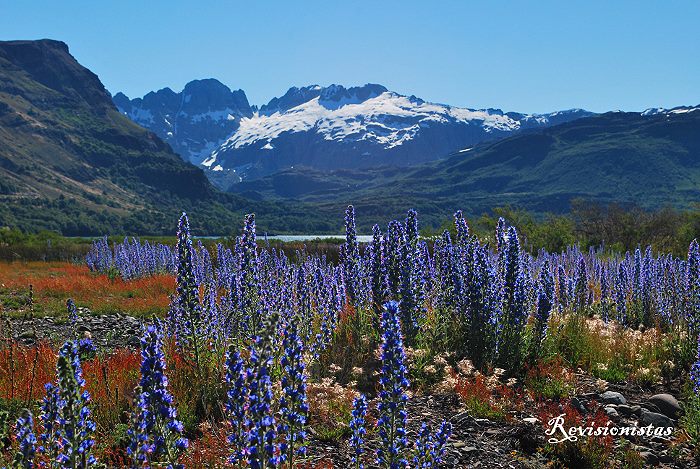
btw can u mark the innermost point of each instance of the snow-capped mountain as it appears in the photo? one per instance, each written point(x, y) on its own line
point(195, 121)
point(337, 127)
point(676, 110)
point(329, 127)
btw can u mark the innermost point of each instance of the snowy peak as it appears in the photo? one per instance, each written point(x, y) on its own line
point(337, 127)
point(676, 110)
point(335, 96)
point(292, 98)
point(324, 127)
point(331, 97)
point(194, 121)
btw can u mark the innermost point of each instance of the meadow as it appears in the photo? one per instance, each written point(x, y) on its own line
point(391, 354)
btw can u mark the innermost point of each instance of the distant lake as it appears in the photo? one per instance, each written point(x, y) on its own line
point(298, 238)
point(290, 238)
point(261, 237)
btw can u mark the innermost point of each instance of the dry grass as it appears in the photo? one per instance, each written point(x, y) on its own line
point(54, 282)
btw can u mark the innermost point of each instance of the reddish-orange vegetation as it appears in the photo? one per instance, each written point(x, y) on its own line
point(25, 370)
point(54, 282)
point(211, 449)
point(109, 378)
point(485, 397)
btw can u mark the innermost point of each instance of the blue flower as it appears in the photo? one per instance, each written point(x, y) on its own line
point(293, 402)
point(357, 427)
point(50, 407)
point(72, 311)
point(261, 423)
point(695, 372)
point(24, 431)
point(236, 402)
point(156, 434)
point(392, 396)
point(74, 432)
point(545, 303)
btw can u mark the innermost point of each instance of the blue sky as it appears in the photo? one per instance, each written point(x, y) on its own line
point(533, 56)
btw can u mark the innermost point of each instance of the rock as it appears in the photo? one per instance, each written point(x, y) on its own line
point(83, 328)
point(28, 334)
point(612, 413)
point(655, 419)
point(461, 419)
point(531, 420)
point(612, 397)
point(650, 407)
point(636, 410)
point(649, 458)
point(624, 409)
point(576, 403)
point(667, 405)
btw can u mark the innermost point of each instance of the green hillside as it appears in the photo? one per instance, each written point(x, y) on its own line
point(69, 162)
point(651, 161)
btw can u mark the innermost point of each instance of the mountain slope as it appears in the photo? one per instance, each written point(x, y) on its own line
point(651, 159)
point(70, 162)
point(195, 121)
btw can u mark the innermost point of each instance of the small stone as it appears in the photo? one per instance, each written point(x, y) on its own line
point(612, 397)
point(531, 420)
point(655, 419)
point(649, 458)
point(612, 413)
point(624, 409)
point(636, 410)
point(667, 405)
point(576, 403)
point(28, 334)
point(83, 328)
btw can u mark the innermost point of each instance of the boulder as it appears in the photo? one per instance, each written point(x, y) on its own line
point(667, 405)
point(655, 419)
point(612, 397)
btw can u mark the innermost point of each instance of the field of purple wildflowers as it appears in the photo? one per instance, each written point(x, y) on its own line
point(251, 335)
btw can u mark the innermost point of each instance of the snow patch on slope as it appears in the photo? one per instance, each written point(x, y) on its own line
point(387, 119)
